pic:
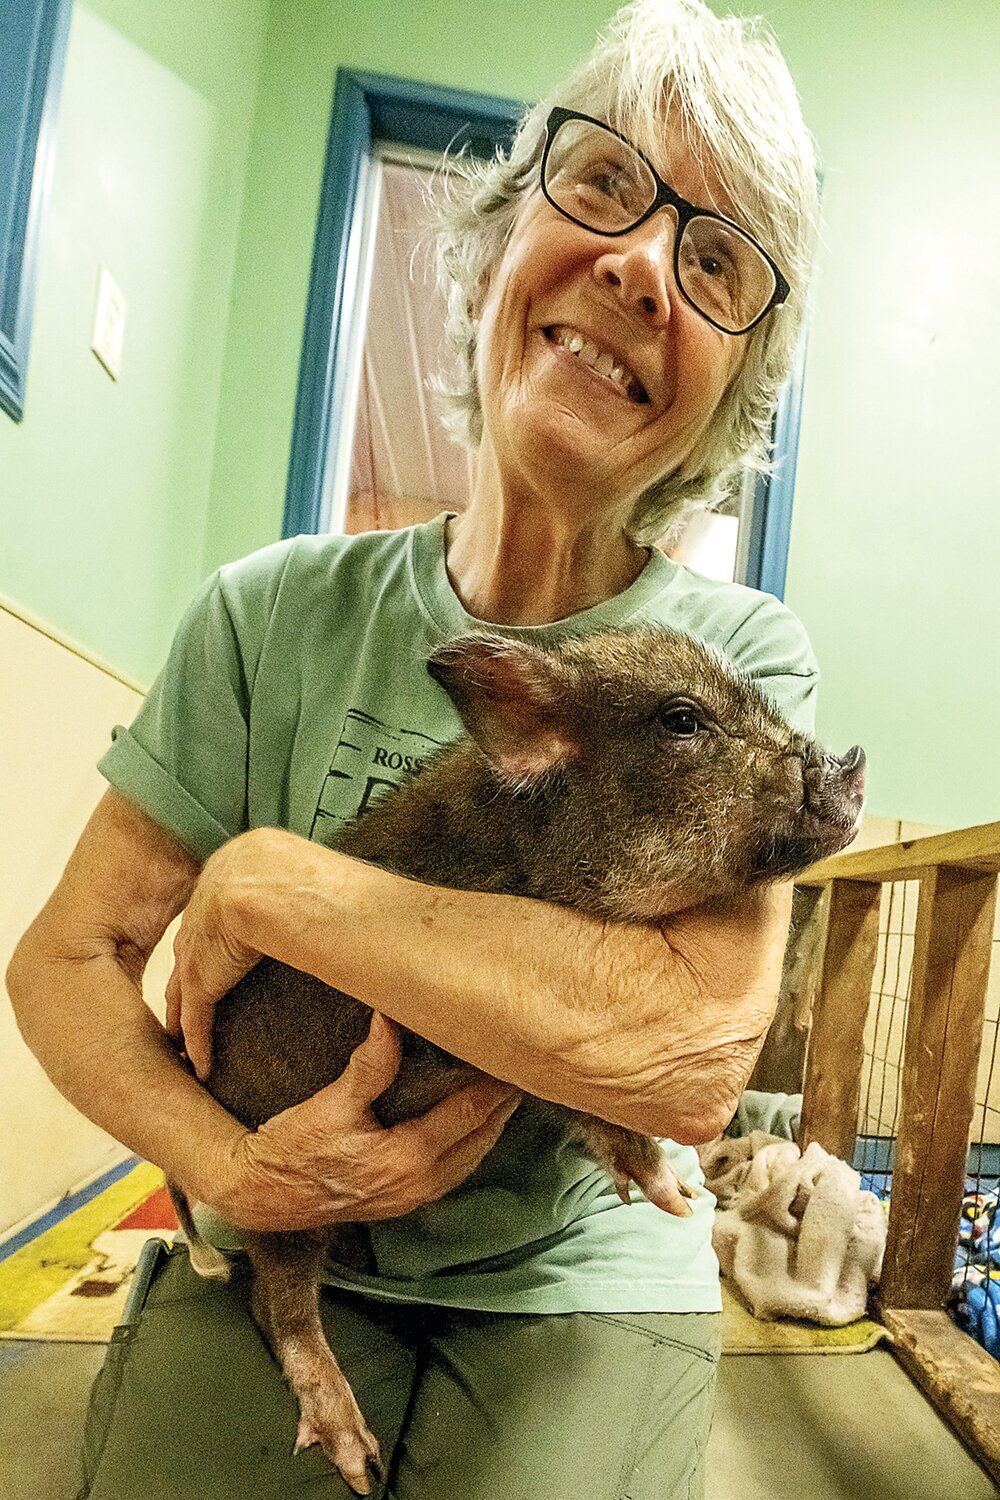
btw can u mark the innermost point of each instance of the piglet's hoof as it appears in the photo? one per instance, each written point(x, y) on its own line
point(664, 1188)
point(348, 1444)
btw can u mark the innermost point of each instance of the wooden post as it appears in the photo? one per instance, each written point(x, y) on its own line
point(961, 1379)
point(944, 1030)
point(836, 1041)
point(780, 1068)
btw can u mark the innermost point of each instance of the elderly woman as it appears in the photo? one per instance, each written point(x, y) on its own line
point(625, 293)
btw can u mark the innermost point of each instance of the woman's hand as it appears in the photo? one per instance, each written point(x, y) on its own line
point(328, 1160)
point(211, 951)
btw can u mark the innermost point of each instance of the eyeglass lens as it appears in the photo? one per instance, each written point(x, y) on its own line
point(600, 180)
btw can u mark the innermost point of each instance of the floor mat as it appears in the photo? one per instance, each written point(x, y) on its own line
point(70, 1282)
point(742, 1333)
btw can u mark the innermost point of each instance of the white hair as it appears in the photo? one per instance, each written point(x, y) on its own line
point(724, 84)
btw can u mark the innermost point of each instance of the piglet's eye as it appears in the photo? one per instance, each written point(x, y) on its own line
point(680, 721)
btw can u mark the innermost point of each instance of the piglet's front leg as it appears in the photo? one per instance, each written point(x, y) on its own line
point(285, 1302)
point(630, 1157)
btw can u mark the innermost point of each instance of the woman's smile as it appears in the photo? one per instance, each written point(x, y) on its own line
point(589, 353)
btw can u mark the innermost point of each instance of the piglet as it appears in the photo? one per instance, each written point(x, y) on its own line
point(625, 774)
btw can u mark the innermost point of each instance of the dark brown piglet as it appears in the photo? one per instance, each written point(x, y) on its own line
point(627, 775)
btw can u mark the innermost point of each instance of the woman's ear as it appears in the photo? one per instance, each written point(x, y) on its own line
point(477, 300)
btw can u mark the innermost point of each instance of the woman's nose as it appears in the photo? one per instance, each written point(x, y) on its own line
point(639, 267)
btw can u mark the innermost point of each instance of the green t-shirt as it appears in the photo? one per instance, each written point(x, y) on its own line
point(295, 693)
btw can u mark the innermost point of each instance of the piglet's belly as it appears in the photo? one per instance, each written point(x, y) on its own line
point(281, 1035)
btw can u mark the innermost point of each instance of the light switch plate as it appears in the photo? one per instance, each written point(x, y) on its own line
point(109, 324)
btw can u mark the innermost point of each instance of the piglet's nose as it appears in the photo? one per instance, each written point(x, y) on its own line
point(846, 773)
point(854, 760)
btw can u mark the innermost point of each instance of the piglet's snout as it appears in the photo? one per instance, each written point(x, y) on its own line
point(835, 787)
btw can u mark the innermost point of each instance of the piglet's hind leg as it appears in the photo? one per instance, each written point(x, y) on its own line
point(630, 1157)
point(285, 1303)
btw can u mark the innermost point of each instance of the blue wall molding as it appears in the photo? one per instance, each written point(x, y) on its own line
point(366, 108)
point(34, 33)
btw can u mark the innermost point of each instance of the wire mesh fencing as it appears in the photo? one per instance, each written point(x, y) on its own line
point(975, 1300)
point(885, 1031)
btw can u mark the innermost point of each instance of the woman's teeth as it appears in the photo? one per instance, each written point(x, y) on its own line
point(600, 360)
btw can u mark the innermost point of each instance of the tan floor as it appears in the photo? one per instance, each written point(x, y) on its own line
point(799, 1427)
point(833, 1427)
point(43, 1396)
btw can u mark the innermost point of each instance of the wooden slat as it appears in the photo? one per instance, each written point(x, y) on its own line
point(969, 848)
point(944, 1029)
point(780, 1068)
point(961, 1379)
point(836, 1052)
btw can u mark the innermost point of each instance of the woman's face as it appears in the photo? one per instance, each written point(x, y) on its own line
point(661, 370)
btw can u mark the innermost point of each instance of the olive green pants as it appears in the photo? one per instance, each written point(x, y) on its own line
point(466, 1405)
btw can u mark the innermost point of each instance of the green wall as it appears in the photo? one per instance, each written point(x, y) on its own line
point(896, 531)
point(104, 486)
point(189, 161)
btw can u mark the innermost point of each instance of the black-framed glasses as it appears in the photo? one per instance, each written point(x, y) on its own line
point(599, 180)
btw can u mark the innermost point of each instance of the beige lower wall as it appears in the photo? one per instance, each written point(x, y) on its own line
point(57, 712)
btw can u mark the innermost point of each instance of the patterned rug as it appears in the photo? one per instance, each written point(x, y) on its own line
point(69, 1281)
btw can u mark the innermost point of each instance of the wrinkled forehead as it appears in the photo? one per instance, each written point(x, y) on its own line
point(684, 161)
point(679, 152)
point(654, 661)
point(737, 698)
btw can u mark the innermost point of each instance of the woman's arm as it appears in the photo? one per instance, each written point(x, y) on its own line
point(76, 985)
point(653, 1028)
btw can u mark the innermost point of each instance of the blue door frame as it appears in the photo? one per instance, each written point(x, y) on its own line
point(771, 518)
point(368, 107)
point(33, 38)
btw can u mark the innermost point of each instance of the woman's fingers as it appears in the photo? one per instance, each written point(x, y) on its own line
point(480, 1107)
point(189, 1018)
point(373, 1065)
point(342, 1109)
point(326, 1160)
point(436, 1152)
point(463, 1156)
point(172, 994)
point(196, 1025)
point(210, 954)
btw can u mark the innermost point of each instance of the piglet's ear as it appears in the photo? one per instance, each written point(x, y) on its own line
point(512, 701)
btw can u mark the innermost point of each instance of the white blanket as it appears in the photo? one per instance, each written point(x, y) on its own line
point(793, 1230)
